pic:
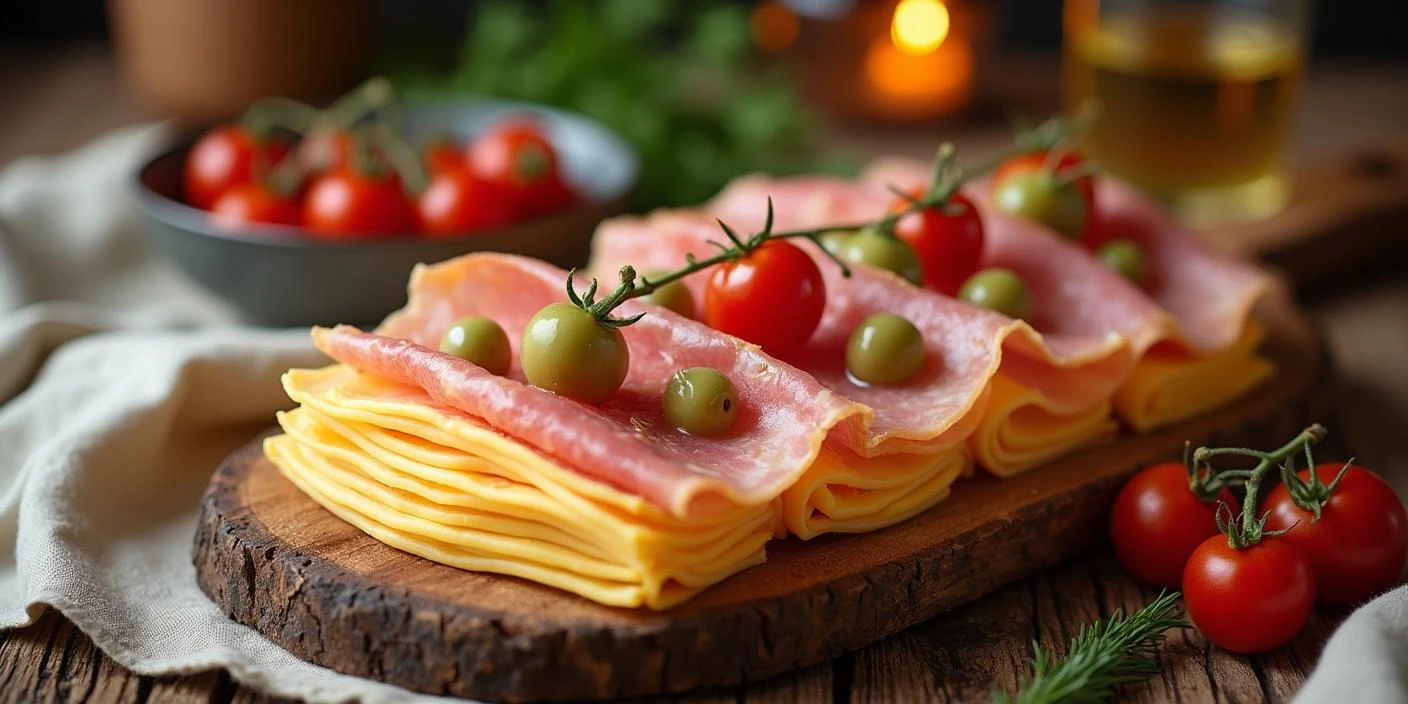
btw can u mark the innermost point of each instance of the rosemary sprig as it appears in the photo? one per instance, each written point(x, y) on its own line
point(1103, 655)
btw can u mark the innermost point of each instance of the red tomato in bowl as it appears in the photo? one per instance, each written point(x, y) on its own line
point(252, 201)
point(1248, 600)
point(772, 297)
point(949, 245)
point(349, 204)
point(442, 154)
point(1358, 547)
point(324, 150)
point(1157, 522)
point(223, 157)
point(517, 156)
point(457, 202)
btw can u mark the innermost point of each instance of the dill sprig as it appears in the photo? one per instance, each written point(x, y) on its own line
point(1103, 655)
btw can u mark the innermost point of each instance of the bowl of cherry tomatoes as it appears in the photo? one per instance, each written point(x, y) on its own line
point(302, 216)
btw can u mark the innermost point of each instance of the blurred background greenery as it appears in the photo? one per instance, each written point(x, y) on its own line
point(680, 80)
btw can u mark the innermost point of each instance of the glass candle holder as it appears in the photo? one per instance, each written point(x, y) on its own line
point(1191, 100)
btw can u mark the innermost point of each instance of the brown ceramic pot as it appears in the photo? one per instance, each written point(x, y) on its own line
point(204, 60)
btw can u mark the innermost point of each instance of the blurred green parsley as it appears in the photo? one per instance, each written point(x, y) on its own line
point(679, 80)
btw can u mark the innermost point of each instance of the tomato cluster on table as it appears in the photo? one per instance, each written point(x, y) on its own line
point(1335, 535)
point(358, 182)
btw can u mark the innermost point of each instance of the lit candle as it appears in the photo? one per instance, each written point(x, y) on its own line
point(920, 69)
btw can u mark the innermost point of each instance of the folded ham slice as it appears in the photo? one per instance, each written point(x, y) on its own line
point(1079, 307)
point(785, 414)
point(1208, 296)
point(966, 344)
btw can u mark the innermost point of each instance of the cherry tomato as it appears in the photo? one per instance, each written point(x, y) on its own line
point(1067, 159)
point(456, 202)
point(226, 156)
point(348, 203)
point(554, 196)
point(442, 154)
point(772, 297)
point(515, 155)
point(252, 201)
point(1248, 600)
point(950, 246)
point(1157, 522)
point(325, 150)
point(1358, 546)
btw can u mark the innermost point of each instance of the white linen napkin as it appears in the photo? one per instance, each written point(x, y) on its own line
point(122, 385)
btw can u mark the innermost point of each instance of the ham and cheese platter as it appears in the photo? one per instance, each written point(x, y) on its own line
point(890, 396)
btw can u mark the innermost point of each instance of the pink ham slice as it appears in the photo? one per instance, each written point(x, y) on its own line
point(1208, 295)
point(966, 344)
point(785, 416)
point(1079, 306)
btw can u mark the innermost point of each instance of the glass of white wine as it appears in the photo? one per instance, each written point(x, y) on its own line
point(1191, 100)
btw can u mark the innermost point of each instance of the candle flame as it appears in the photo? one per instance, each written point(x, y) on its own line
point(919, 26)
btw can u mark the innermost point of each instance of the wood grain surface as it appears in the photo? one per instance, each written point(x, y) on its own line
point(956, 657)
point(273, 559)
point(60, 97)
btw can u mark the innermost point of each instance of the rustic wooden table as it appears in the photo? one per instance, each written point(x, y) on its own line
point(56, 99)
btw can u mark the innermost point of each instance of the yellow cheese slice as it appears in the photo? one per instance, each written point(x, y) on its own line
point(1171, 384)
point(844, 493)
point(1019, 429)
point(450, 489)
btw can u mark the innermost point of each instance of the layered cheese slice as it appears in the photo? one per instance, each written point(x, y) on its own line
point(386, 459)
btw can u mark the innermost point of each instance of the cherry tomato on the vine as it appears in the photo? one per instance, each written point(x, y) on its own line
point(325, 150)
point(1248, 600)
point(773, 297)
point(1358, 546)
point(347, 203)
point(517, 156)
point(1157, 522)
point(442, 154)
point(252, 201)
point(949, 245)
point(226, 156)
point(1022, 167)
point(457, 202)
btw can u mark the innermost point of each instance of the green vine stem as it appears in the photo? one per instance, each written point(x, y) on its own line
point(1251, 528)
point(1311, 495)
point(269, 114)
point(947, 178)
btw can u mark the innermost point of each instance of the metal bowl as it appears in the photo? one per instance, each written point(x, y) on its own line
point(276, 275)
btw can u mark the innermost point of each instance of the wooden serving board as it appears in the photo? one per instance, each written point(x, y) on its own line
point(276, 561)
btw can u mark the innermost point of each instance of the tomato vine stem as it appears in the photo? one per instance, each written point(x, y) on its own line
point(945, 180)
point(1249, 529)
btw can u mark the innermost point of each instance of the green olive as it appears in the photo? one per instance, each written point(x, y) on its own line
point(566, 351)
point(832, 241)
point(998, 289)
point(481, 341)
point(885, 349)
point(1041, 196)
point(884, 252)
point(700, 401)
point(674, 295)
point(1124, 257)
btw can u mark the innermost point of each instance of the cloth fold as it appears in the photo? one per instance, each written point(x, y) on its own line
point(122, 385)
